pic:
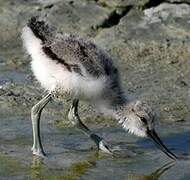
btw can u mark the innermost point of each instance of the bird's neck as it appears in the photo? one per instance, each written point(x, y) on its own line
point(114, 109)
point(117, 101)
point(118, 113)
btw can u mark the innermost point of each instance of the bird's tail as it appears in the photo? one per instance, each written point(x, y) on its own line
point(40, 28)
point(35, 33)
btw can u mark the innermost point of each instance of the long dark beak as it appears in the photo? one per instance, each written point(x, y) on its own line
point(153, 135)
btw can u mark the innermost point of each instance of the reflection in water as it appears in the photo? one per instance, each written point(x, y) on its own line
point(80, 168)
point(40, 171)
point(75, 171)
point(37, 168)
point(154, 175)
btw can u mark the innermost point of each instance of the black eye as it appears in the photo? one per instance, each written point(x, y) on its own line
point(144, 120)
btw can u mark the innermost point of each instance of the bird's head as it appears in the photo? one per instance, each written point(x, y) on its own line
point(139, 119)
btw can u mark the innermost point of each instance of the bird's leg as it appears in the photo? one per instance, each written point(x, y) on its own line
point(75, 119)
point(35, 116)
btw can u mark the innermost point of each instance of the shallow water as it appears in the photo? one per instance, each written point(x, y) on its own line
point(71, 155)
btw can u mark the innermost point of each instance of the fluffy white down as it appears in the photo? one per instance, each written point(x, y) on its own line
point(52, 75)
point(132, 125)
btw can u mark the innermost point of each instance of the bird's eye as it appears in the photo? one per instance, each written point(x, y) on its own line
point(144, 120)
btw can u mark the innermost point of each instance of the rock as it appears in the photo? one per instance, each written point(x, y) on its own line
point(169, 17)
point(71, 17)
point(67, 16)
point(12, 15)
point(163, 23)
point(152, 49)
point(149, 40)
point(178, 1)
point(122, 3)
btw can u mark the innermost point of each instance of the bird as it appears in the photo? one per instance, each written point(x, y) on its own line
point(67, 65)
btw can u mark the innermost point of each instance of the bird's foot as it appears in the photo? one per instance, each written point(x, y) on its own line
point(104, 147)
point(38, 152)
point(101, 144)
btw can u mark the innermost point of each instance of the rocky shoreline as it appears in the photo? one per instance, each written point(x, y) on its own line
point(150, 41)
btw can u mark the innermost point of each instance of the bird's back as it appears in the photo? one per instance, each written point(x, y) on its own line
point(84, 54)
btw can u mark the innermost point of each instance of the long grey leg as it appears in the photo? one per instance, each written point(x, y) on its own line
point(36, 111)
point(75, 119)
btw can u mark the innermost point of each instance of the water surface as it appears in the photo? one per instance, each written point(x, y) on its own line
point(71, 155)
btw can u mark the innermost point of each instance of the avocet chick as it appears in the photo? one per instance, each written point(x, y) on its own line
point(67, 65)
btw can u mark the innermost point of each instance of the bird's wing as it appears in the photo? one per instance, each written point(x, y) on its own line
point(79, 55)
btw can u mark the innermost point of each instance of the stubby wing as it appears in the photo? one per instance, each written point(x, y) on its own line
point(80, 56)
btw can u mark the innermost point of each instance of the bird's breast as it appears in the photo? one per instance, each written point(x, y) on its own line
point(55, 77)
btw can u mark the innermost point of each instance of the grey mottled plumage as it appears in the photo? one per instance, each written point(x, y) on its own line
point(80, 56)
point(73, 50)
